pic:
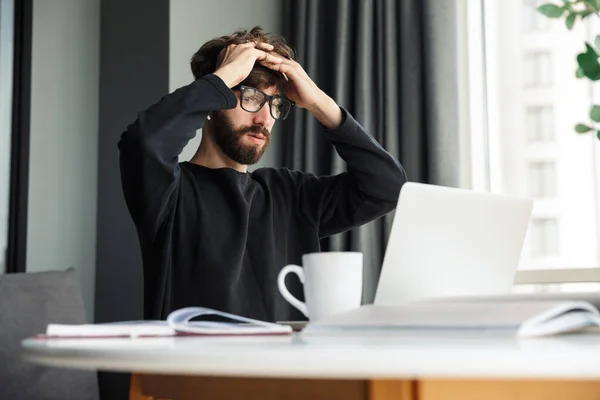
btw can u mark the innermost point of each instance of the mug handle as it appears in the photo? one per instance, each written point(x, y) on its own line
point(296, 269)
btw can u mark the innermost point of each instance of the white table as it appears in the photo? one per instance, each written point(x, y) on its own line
point(423, 366)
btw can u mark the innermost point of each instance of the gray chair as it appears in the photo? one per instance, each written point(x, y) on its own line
point(28, 302)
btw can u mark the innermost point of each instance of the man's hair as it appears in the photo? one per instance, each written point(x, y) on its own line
point(205, 60)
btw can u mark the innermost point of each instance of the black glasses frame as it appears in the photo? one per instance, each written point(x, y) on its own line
point(266, 98)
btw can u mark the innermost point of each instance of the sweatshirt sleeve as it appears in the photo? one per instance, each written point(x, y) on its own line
point(149, 149)
point(368, 190)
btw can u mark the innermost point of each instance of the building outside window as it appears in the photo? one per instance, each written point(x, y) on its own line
point(523, 66)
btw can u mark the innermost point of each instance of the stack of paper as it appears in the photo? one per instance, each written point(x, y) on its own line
point(178, 323)
point(522, 315)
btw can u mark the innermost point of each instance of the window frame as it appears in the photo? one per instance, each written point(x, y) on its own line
point(480, 127)
point(19, 155)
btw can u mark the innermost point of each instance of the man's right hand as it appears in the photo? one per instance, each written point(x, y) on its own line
point(236, 61)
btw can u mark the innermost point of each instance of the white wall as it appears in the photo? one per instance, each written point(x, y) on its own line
point(6, 78)
point(194, 22)
point(64, 140)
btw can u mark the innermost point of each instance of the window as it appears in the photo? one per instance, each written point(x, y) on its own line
point(6, 79)
point(522, 139)
point(544, 237)
point(542, 179)
point(537, 69)
point(539, 123)
point(532, 20)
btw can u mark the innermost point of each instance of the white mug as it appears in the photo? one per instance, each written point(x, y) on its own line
point(332, 283)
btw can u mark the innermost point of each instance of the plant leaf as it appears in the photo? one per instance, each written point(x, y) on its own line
point(579, 73)
point(588, 62)
point(551, 10)
point(598, 135)
point(595, 4)
point(595, 113)
point(597, 42)
point(585, 14)
point(581, 128)
point(570, 20)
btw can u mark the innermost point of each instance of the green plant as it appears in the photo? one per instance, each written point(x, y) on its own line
point(587, 61)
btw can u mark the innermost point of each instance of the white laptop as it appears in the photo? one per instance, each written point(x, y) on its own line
point(446, 241)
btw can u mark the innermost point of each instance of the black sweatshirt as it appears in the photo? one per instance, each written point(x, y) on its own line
point(218, 238)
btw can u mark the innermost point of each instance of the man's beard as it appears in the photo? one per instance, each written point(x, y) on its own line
point(229, 139)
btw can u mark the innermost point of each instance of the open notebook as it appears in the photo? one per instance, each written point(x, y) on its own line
point(527, 315)
point(178, 323)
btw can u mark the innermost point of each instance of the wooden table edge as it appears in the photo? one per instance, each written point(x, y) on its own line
point(187, 387)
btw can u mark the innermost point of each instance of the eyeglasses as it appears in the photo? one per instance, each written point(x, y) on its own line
point(252, 100)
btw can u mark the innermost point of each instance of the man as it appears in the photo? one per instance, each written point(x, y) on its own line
point(213, 234)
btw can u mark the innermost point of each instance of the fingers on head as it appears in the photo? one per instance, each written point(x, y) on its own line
point(269, 56)
point(265, 46)
point(274, 58)
point(258, 45)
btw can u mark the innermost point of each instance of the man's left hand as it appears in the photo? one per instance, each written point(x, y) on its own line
point(301, 89)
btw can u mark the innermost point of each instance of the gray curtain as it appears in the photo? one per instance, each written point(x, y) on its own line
point(376, 58)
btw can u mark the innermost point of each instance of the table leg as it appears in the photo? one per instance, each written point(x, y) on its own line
point(135, 389)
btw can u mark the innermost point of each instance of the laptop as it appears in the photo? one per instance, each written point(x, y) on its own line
point(448, 242)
